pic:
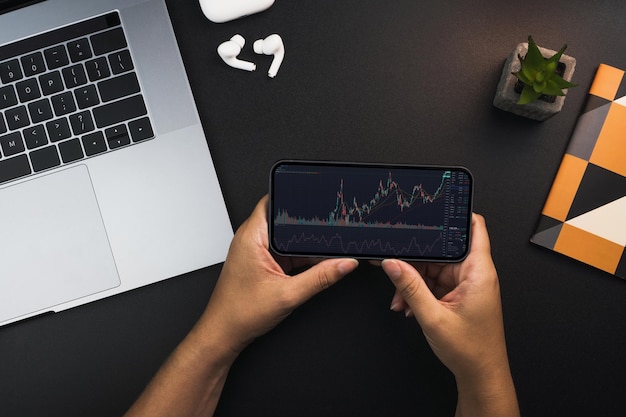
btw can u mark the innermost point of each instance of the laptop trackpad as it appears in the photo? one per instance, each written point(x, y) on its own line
point(53, 245)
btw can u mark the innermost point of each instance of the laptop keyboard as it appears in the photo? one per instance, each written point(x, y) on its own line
point(68, 94)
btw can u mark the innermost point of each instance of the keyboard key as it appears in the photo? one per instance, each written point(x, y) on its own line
point(12, 144)
point(71, 150)
point(59, 35)
point(117, 136)
point(45, 158)
point(8, 97)
point(40, 110)
point(119, 111)
point(79, 50)
point(74, 76)
point(141, 129)
point(118, 87)
point(63, 103)
point(97, 69)
point(86, 96)
point(33, 64)
point(81, 123)
point(28, 90)
point(17, 117)
point(10, 71)
point(51, 83)
point(94, 143)
point(35, 137)
point(58, 129)
point(56, 57)
point(13, 168)
point(121, 62)
point(47, 78)
point(108, 41)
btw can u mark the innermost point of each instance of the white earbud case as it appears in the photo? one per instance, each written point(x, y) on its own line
point(220, 11)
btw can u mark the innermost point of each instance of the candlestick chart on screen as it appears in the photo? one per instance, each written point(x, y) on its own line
point(370, 211)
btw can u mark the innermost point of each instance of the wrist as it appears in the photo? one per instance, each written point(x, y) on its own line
point(191, 380)
point(207, 339)
point(489, 391)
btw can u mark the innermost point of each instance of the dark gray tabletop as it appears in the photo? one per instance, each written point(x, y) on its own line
point(381, 81)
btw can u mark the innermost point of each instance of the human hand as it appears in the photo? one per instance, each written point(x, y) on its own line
point(459, 310)
point(254, 291)
point(252, 295)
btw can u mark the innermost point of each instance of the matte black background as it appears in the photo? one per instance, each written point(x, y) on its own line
point(377, 81)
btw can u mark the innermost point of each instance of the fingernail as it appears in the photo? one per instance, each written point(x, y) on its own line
point(346, 266)
point(391, 268)
point(395, 307)
point(408, 313)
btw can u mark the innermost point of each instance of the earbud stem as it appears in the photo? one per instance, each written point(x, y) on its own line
point(278, 60)
point(243, 65)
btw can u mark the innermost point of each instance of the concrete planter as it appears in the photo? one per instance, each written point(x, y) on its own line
point(506, 97)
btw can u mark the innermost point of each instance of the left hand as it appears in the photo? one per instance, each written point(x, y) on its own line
point(254, 291)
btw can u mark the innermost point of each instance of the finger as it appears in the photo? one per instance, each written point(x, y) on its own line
point(320, 276)
point(260, 211)
point(255, 226)
point(397, 302)
point(412, 288)
point(289, 263)
point(480, 236)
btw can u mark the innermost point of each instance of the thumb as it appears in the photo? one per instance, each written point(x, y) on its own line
point(412, 287)
point(321, 276)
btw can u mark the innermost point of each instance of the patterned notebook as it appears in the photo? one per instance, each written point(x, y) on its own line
point(584, 216)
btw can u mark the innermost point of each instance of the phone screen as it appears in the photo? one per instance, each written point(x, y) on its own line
point(373, 211)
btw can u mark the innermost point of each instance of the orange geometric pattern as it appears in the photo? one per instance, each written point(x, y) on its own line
point(564, 187)
point(606, 82)
point(579, 218)
point(589, 248)
point(610, 149)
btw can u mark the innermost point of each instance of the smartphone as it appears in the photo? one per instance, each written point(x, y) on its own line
point(370, 211)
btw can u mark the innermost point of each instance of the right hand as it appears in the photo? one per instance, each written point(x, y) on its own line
point(457, 306)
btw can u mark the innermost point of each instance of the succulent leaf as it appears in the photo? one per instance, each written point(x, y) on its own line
point(553, 89)
point(563, 83)
point(528, 95)
point(539, 87)
point(523, 77)
point(538, 74)
point(541, 76)
point(557, 57)
point(534, 60)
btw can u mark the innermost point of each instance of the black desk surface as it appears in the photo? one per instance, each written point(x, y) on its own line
point(387, 81)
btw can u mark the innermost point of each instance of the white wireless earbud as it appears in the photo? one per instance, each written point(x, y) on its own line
point(229, 51)
point(272, 45)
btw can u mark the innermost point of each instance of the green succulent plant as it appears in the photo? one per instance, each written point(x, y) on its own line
point(538, 74)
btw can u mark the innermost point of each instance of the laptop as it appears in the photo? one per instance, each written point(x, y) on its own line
point(106, 180)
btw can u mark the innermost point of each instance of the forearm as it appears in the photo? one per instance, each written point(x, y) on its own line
point(487, 394)
point(190, 382)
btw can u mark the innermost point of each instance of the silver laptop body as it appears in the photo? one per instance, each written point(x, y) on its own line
point(127, 200)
